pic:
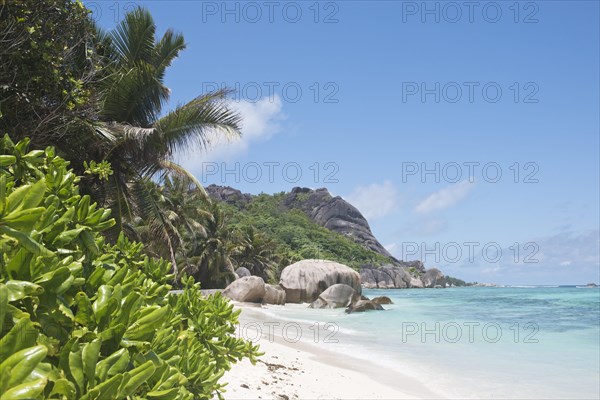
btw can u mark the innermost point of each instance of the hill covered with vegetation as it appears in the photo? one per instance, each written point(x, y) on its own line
point(295, 235)
point(305, 223)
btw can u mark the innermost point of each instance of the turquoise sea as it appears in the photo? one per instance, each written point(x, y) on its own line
point(475, 342)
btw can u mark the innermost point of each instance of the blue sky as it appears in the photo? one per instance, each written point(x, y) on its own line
point(371, 93)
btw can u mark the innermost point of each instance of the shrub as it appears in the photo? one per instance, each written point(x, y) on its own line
point(48, 62)
point(84, 319)
point(296, 236)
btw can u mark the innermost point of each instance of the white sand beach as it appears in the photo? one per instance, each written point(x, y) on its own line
point(303, 370)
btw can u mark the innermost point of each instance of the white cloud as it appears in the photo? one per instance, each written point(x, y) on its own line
point(260, 121)
point(569, 249)
point(491, 270)
point(390, 247)
point(444, 198)
point(426, 226)
point(564, 258)
point(565, 263)
point(376, 200)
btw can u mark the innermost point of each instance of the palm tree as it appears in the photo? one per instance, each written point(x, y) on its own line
point(186, 202)
point(177, 220)
point(131, 134)
point(208, 257)
point(256, 252)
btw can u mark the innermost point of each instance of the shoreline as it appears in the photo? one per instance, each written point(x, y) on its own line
point(301, 370)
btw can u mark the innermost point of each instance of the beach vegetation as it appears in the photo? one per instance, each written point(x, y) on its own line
point(82, 318)
point(293, 236)
point(98, 97)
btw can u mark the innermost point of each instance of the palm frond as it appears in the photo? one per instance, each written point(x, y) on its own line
point(188, 127)
point(157, 219)
point(182, 173)
point(130, 144)
point(167, 49)
point(133, 38)
point(134, 96)
point(105, 132)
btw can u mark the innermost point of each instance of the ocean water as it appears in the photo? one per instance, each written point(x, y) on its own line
point(475, 342)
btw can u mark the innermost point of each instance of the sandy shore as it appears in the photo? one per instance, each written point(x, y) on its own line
point(303, 370)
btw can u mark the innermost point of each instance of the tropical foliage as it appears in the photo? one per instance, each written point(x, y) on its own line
point(290, 235)
point(99, 97)
point(85, 312)
point(136, 140)
point(259, 254)
point(47, 69)
point(83, 319)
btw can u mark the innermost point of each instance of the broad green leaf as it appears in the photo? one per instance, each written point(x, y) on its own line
point(76, 369)
point(90, 354)
point(34, 154)
point(15, 199)
point(106, 390)
point(22, 363)
point(84, 314)
point(5, 160)
point(23, 220)
point(21, 336)
point(18, 290)
point(67, 237)
point(34, 195)
point(2, 193)
point(135, 378)
point(65, 388)
point(26, 391)
point(167, 394)
point(104, 293)
point(20, 264)
point(147, 324)
point(89, 242)
point(83, 208)
point(120, 358)
point(4, 294)
point(55, 276)
point(26, 241)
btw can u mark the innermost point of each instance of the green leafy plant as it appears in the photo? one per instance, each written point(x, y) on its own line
point(293, 236)
point(47, 66)
point(83, 319)
point(101, 95)
point(102, 169)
